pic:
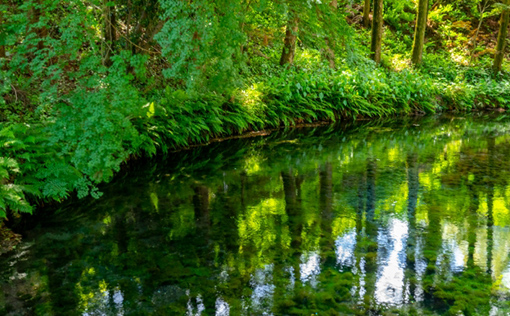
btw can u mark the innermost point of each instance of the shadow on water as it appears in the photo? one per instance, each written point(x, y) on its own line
point(387, 217)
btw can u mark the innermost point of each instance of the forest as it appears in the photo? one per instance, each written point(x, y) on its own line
point(254, 157)
point(86, 86)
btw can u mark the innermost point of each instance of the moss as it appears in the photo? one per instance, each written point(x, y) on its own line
point(8, 239)
point(286, 304)
point(297, 311)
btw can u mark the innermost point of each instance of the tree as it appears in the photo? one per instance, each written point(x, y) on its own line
point(34, 17)
point(377, 30)
point(289, 46)
point(109, 32)
point(330, 53)
point(366, 14)
point(482, 11)
point(502, 37)
point(2, 37)
point(419, 33)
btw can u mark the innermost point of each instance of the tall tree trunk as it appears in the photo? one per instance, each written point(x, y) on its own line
point(2, 37)
point(289, 46)
point(34, 15)
point(419, 33)
point(366, 14)
point(377, 30)
point(109, 32)
point(502, 37)
point(330, 53)
point(481, 9)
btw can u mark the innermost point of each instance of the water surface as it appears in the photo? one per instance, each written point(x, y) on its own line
point(375, 218)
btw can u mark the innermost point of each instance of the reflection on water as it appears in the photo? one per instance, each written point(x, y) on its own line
point(391, 263)
point(310, 268)
point(345, 246)
point(263, 290)
point(454, 251)
point(195, 306)
point(393, 218)
point(222, 308)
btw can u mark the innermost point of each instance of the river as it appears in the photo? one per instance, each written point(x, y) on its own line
point(389, 217)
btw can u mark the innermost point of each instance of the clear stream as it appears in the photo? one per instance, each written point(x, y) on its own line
point(403, 217)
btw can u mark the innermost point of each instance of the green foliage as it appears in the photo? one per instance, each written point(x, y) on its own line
point(178, 73)
point(201, 41)
point(32, 168)
point(99, 120)
point(400, 15)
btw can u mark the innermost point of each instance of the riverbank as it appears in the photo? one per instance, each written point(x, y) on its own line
point(49, 160)
point(83, 95)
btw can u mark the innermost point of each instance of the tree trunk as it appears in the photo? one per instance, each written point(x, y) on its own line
point(2, 37)
point(419, 33)
point(377, 30)
point(330, 53)
point(502, 36)
point(109, 32)
point(366, 14)
point(289, 46)
point(34, 15)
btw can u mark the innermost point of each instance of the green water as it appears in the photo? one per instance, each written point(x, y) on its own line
point(376, 218)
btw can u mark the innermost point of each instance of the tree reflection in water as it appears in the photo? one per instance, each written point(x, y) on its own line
point(363, 219)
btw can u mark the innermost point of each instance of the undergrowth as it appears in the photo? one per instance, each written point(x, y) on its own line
point(35, 168)
point(77, 100)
